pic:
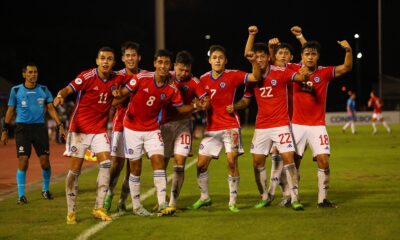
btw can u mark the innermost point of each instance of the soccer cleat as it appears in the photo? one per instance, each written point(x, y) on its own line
point(121, 206)
point(326, 204)
point(201, 203)
point(101, 213)
point(263, 203)
point(296, 205)
point(107, 201)
point(285, 202)
point(374, 132)
point(47, 195)
point(71, 218)
point(141, 211)
point(22, 200)
point(234, 208)
point(165, 210)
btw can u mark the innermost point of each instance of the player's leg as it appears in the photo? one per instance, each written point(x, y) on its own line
point(373, 122)
point(125, 191)
point(71, 187)
point(385, 125)
point(276, 172)
point(23, 144)
point(41, 144)
point(323, 181)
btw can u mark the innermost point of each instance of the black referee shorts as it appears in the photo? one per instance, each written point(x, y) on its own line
point(34, 134)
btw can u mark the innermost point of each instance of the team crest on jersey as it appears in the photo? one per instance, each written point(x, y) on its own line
point(73, 149)
point(201, 146)
point(132, 82)
point(222, 84)
point(274, 82)
point(23, 103)
point(317, 79)
point(78, 81)
point(130, 151)
point(40, 101)
point(185, 88)
point(162, 96)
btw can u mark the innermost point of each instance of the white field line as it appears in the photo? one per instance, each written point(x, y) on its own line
point(99, 226)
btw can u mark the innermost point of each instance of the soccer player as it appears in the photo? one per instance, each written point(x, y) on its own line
point(377, 104)
point(351, 113)
point(175, 127)
point(94, 88)
point(150, 92)
point(308, 122)
point(272, 123)
point(131, 58)
point(223, 128)
point(29, 101)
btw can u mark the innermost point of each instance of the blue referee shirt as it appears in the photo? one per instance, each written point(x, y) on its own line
point(30, 103)
point(352, 105)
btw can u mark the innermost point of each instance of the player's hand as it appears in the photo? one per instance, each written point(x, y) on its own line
point(117, 92)
point(230, 109)
point(253, 30)
point(58, 100)
point(4, 137)
point(305, 72)
point(273, 42)
point(296, 30)
point(344, 44)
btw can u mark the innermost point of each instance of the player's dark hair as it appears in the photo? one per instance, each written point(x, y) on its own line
point(260, 47)
point(284, 45)
point(214, 48)
point(106, 49)
point(311, 45)
point(28, 64)
point(184, 57)
point(163, 53)
point(130, 45)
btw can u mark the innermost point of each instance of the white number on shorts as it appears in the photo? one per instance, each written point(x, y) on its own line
point(150, 101)
point(283, 140)
point(213, 91)
point(103, 98)
point(324, 139)
point(266, 92)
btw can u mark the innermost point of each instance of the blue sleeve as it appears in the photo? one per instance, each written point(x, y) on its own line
point(12, 101)
point(49, 97)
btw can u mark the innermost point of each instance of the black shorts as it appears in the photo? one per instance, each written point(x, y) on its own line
point(27, 135)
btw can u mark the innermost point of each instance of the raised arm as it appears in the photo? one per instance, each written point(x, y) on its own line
point(272, 45)
point(297, 32)
point(253, 30)
point(348, 59)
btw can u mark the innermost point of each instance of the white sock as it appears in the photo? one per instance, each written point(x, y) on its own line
point(276, 170)
point(353, 128)
point(293, 181)
point(386, 126)
point(346, 126)
point(103, 182)
point(71, 189)
point(374, 126)
point(134, 186)
point(233, 183)
point(260, 175)
point(177, 181)
point(202, 181)
point(160, 182)
point(323, 184)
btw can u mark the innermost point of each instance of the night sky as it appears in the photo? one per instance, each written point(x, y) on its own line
point(63, 40)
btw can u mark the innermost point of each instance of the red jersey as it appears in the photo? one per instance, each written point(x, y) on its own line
point(376, 103)
point(189, 89)
point(222, 93)
point(147, 101)
point(272, 97)
point(310, 97)
point(119, 115)
point(93, 101)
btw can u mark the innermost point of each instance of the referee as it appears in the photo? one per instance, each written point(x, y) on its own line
point(29, 101)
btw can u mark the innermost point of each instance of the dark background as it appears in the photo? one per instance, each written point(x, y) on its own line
point(63, 38)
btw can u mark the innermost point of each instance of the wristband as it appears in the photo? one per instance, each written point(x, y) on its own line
point(299, 36)
point(194, 105)
point(59, 95)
